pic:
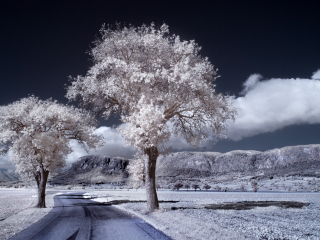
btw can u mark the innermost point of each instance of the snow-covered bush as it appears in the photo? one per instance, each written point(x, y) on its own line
point(254, 185)
point(195, 186)
point(206, 187)
point(225, 189)
point(177, 186)
point(243, 187)
point(136, 169)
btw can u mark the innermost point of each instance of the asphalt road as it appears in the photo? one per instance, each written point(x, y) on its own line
point(77, 218)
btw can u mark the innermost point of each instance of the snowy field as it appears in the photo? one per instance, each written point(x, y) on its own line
point(17, 211)
point(187, 215)
point(196, 222)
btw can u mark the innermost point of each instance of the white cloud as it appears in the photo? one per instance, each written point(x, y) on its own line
point(177, 143)
point(114, 146)
point(316, 75)
point(251, 82)
point(273, 104)
point(5, 163)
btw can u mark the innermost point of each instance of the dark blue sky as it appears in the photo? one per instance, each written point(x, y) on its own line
point(44, 42)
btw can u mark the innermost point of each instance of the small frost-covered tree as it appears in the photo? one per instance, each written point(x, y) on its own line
point(206, 187)
point(195, 186)
point(254, 185)
point(187, 186)
point(39, 133)
point(243, 187)
point(158, 85)
point(177, 186)
point(136, 170)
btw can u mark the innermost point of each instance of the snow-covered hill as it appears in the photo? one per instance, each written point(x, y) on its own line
point(287, 161)
point(94, 169)
point(208, 167)
point(6, 176)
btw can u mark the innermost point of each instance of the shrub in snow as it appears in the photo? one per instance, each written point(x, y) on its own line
point(243, 187)
point(195, 187)
point(225, 189)
point(206, 187)
point(177, 186)
point(254, 185)
point(136, 169)
point(187, 186)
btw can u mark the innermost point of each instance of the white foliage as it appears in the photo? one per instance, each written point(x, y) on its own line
point(40, 131)
point(136, 169)
point(151, 79)
point(145, 128)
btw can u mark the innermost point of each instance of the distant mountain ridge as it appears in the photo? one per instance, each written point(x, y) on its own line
point(95, 169)
point(302, 160)
point(7, 176)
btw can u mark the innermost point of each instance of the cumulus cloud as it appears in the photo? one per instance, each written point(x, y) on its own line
point(5, 163)
point(316, 75)
point(114, 146)
point(177, 143)
point(251, 82)
point(273, 104)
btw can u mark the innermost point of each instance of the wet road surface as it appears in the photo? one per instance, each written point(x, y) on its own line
point(77, 218)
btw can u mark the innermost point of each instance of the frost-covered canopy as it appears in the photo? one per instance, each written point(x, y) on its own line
point(153, 80)
point(40, 131)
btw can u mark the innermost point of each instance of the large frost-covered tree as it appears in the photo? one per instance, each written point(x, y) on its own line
point(39, 132)
point(158, 85)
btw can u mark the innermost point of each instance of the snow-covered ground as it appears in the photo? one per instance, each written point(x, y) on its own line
point(290, 184)
point(196, 222)
point(192, 220)
point(17, 211)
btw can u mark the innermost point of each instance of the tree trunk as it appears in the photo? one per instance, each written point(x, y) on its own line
point(41, 178)
point(150, 180)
